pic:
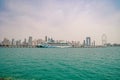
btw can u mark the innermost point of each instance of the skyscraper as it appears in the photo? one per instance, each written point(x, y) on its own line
point(46, 39)
point(13, 42)
point(88, 41)
point(30, 41)
point(24, 42)
point(83, 43)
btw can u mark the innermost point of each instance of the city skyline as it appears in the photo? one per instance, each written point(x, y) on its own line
point(33, 43)
point(71, 20)
point(30, 40)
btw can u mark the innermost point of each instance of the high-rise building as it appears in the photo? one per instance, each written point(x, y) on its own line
point(13, 42)
point(84, 43)
point(46, 39)
point(88, 41)
point(24, 42)
point(30, 41)
point(18, 43)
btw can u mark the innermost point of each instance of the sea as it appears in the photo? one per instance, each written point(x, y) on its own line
point(60, 63)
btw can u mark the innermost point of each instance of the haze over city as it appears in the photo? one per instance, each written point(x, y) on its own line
point(60, 19)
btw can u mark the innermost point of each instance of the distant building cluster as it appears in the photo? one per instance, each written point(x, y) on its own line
point(18, 43)
point(30, 43)
point(88, 43)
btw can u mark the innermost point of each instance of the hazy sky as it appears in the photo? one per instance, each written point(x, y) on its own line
point(60, 19)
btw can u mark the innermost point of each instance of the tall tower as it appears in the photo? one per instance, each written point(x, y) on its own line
point(30, 41)
point(46, 39)
point(13, 41)
point(104, 39)
point(83, 43)
point(88, 41)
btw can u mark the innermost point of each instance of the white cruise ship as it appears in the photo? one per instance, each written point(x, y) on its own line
point(54, 45)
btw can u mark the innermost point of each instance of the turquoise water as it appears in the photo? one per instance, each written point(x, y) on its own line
point(60, 63)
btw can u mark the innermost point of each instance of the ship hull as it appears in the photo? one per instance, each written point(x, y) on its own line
point(53, 45)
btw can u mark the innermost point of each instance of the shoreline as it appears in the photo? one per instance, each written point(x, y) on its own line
point(67, 47)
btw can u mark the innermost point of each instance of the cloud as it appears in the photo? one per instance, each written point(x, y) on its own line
point(68, 20)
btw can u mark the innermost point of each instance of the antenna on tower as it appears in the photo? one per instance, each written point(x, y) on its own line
point(104, 39)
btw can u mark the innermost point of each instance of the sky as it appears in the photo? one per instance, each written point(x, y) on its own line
point(72, 20)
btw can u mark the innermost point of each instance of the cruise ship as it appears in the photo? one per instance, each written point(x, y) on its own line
point(54, 45)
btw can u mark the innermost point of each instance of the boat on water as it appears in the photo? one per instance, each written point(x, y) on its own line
point(54, 45)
